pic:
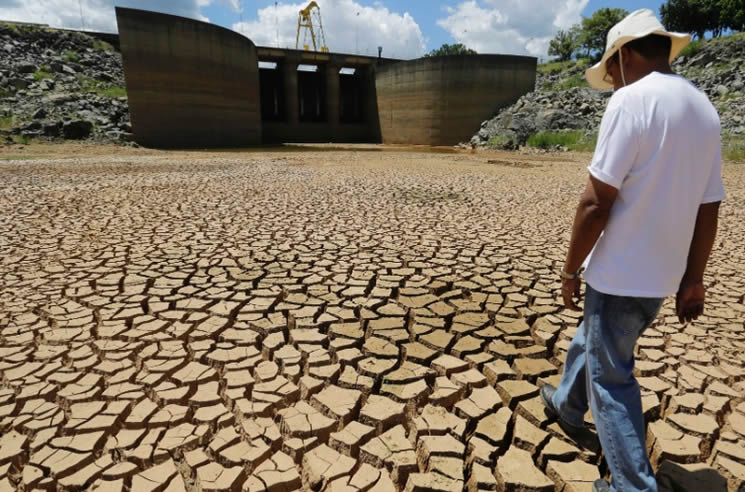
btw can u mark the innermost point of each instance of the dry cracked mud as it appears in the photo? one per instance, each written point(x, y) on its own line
point(343, 321)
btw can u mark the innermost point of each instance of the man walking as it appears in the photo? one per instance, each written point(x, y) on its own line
point(647, 220)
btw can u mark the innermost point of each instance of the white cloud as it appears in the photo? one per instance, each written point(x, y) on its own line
point(97, 15)
point(510, 26)
point(349, 28)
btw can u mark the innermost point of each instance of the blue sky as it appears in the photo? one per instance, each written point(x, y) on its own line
point(405, 28)
point(426, 13)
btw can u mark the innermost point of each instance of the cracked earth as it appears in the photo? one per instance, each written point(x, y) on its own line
point(344, 321)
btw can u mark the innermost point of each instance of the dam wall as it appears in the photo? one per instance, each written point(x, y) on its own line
point(443, 100)
point(189, 83)
point(192, 84)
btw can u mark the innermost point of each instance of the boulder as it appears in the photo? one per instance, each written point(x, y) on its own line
point(554, 119)
point(77, 129)
point(26, 68)
point(19, 84)
point(39, 114)
point(52, 129)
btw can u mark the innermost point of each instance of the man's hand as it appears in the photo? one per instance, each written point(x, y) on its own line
point(569, 290)
point(689, 303)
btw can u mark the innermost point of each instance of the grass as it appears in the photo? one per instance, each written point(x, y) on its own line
point(22, 139)
point(102, 45)
point(576, 80)
point(6, 122)
point(42, 74)
point(561, 66)
point(693, 48)
point(575, 140)
point(111, 91)
point(498, 141)
point(70, 56)
point(13, 28)
point(103, 89)
point(733, 148)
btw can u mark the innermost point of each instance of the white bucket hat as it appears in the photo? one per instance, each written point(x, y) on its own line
point(636, 25)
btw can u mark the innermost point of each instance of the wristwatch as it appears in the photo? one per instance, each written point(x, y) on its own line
point(569, 276)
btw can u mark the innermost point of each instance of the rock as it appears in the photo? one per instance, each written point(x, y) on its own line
point(77, 129)
point(554, 119)
point(39, 114)
point(33, 126)
point(516, 471)
point(722, 90)
point(19, 84)
point(26, 68)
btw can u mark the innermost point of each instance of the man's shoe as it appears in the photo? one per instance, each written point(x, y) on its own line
point(580, 435)
point(547, 395)
point(600, 485)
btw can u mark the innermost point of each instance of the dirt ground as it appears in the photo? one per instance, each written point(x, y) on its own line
point(326, 318)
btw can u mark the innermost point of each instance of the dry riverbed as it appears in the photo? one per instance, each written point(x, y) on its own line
point(317, 318)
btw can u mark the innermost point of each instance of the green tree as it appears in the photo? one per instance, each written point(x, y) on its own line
point(595, 29)
point(451, 49)
point(711, 14)
point(701, 16)
point(679, 15)
point(732, 14)
point(565, 43)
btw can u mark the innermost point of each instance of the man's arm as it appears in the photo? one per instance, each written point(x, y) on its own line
point(589, 222)
point(689, 303)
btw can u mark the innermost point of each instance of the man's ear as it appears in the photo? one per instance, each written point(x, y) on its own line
point(626, 54)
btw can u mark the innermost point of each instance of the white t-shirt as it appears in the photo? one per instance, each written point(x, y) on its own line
point(659, 145)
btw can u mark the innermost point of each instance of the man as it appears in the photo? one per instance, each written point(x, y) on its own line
point(649, 217)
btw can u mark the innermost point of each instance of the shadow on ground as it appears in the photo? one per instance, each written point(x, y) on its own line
point(672, 477)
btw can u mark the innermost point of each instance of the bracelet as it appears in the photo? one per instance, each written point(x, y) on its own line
point(569, 276)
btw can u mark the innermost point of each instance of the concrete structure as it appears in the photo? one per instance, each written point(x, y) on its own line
point(189, 83)
point(443, 100)
point(192, 84)
point(324, 105)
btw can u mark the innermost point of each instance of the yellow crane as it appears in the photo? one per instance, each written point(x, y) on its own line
point(305, 24)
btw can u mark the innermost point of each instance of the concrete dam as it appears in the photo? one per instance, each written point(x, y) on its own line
point(192, 84)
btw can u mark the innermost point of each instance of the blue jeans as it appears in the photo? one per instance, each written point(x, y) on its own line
point(599, 369)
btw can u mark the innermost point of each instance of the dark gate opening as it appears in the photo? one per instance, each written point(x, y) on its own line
point(351, 96)
point(272, 92)
point(311, 93)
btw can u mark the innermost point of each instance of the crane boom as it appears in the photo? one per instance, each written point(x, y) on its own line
point(305, 24)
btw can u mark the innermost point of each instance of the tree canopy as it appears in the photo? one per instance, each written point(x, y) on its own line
point(698, 17)
point(451, 49)
point(595, 29)
point(701, 16)
point(586, 38)
point(564, 44)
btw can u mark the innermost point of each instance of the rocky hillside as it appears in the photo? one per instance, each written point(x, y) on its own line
point(562, 100)
point(59, 84)
point(66, 85)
